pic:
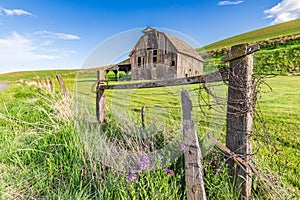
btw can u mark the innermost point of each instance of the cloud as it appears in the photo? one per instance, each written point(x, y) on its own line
point(60, 36)
point(11, 12)
point(285, 10)
point(225, 3)
point(20, 49)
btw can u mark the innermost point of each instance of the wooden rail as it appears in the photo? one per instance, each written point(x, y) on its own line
point(218, 76)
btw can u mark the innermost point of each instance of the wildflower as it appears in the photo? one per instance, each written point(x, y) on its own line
point(169, 171)
point(133, 178)
point(144, 162)
point(182, 146)
point(133, 170)
point(115, 180)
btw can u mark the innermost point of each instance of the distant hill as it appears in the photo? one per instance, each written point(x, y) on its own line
point(275, 31)
point(28, 75)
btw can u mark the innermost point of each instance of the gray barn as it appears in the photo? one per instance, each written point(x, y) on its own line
point(160, 56)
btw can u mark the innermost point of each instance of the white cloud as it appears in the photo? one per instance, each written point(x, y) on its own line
point(20, 49)
point(284, 11)
point(61, 36)
point(18, 52)
point(225, 3)
point(11, 12)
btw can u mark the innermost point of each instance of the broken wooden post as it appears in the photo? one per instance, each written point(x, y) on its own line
point(100, 98)
point(192, 153)
point(239, 114)
point(143, 116)
point(51, 84)
point(62, 85)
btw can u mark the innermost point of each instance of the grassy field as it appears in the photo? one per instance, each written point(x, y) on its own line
point(280, 111)
point(43, 155)
point(280, 59)
point(30, 75)
point(283, 29)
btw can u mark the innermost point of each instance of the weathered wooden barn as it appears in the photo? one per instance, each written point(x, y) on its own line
point(158, 55)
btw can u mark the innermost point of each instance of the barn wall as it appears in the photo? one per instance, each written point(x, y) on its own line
point(165, 54)
point(188, 66)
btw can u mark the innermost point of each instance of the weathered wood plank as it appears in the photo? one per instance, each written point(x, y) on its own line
point(143, 116)
point(62, 86)
point(239, 115)
point(100, 99)
point(212, 77)
point(51, 84)
point(232, 154)
point(192, 153)
point(238, 53)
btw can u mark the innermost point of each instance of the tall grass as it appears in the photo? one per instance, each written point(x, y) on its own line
point(43, 157)
point(45, 154)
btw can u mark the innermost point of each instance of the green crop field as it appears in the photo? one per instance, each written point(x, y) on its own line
point(284, 29)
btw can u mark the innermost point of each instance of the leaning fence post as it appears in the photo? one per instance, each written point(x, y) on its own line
point(239, 114)
point(100, 98)
point(51, 85)
point(143, 116)
point(192, 153)
point(62, 86)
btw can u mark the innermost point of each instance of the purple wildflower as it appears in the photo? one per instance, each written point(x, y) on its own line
point(133, 170)
point(133, 178)
point(146, 145)
point(144, 162)
point(115, 180)
point(169, 171)
point(182, 146)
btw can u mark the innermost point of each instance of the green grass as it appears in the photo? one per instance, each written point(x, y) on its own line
point(30, 75)
point(275, 31)
point(42, 153)
point(280, 110)
point(42, 156)
point(279, 59)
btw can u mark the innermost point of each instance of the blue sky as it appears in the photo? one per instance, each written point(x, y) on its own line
point(60, 34)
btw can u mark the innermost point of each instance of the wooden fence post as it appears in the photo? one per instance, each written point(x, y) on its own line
point(239, 114)
point(192, 153)
point(100, 98)
point(143, 116)
point(62, 86)
point(51, 85)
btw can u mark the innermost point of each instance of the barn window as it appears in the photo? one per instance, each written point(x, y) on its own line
point(139, 61)
point(173, 63)
point(154, 56)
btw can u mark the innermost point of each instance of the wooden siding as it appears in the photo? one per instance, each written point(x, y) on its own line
point(155, 57)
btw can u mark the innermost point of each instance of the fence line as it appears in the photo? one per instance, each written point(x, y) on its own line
point(239, 120)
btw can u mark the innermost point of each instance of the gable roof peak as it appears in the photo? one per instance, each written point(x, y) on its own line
point(148, 28)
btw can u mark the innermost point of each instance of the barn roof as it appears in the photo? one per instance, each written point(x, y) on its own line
point(179, 45)
point(183, 47)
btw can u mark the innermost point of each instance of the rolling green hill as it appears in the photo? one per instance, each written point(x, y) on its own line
point(279, 30)
point(29, 75)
